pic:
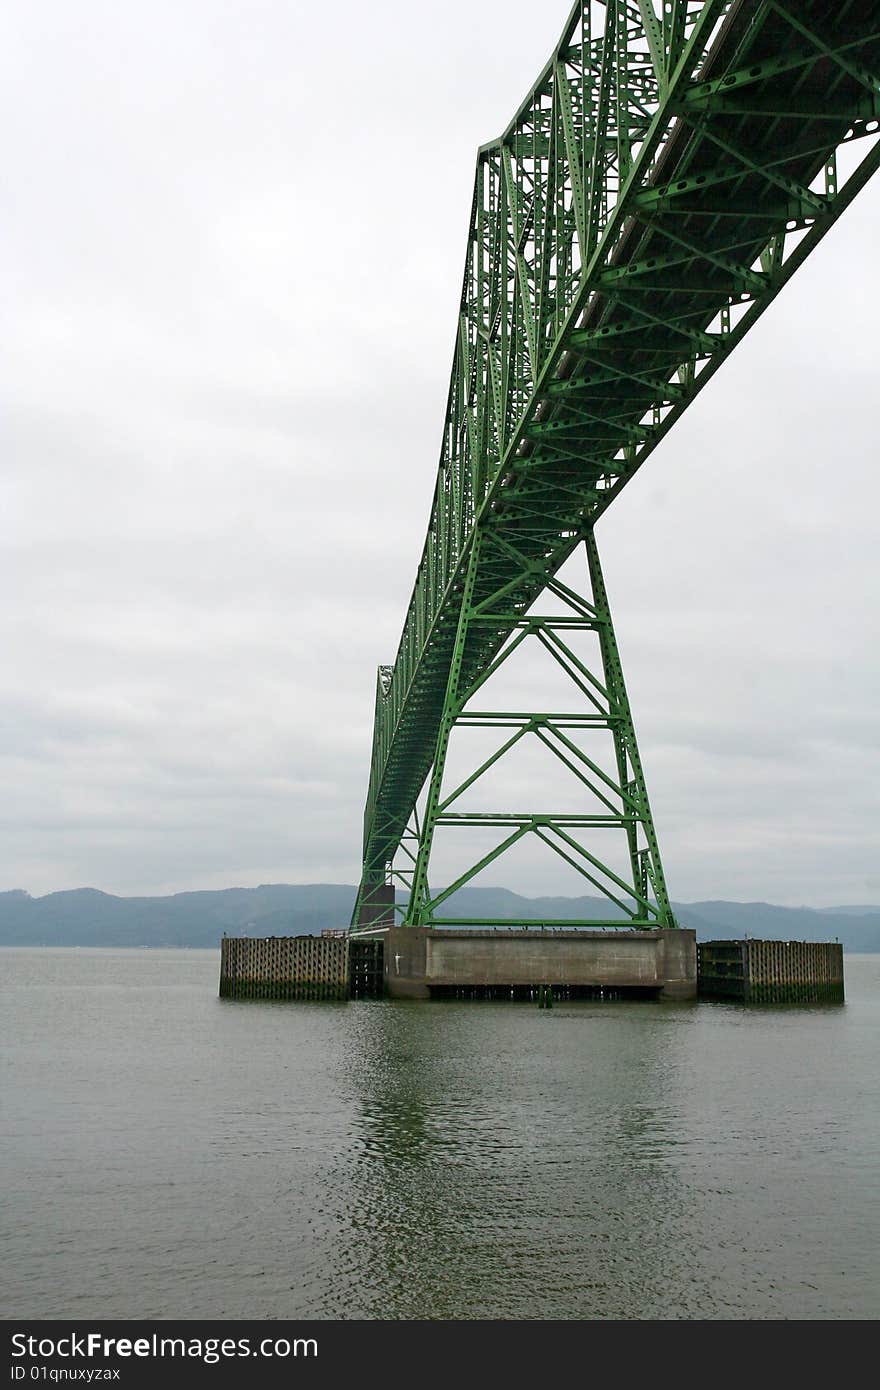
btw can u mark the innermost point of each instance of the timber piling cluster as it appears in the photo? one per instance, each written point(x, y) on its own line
point(771, 972)
point(284, 967)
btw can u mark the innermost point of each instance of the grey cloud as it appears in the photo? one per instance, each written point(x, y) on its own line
point(229, 311)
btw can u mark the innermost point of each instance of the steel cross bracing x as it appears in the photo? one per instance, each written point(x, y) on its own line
point(673, 165)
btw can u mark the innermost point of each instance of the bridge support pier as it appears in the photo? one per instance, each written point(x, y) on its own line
point(594, 743)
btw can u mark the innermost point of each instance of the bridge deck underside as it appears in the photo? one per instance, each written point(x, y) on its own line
point(701, 245)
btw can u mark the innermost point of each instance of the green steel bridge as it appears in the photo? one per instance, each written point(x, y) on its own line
point(670, 169)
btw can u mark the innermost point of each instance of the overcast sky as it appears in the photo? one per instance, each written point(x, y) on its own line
point(235, 231)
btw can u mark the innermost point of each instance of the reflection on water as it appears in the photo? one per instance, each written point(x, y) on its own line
point(175, 1155)
point(519, 1167)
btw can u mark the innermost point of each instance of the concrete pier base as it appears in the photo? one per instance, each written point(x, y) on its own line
point(421, 962)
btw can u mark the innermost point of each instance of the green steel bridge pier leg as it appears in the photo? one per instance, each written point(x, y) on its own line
point(647, 868)
point(420, 900)
point(642, 900)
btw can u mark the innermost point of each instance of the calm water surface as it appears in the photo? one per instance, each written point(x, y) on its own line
point(169, 1154)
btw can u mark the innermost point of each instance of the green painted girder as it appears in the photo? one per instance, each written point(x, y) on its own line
point(669, 171)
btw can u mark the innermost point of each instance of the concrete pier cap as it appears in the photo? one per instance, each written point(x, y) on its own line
point(422, 960)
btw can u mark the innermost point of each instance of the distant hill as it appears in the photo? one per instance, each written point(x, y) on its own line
point(859, 931)
point(88, 917)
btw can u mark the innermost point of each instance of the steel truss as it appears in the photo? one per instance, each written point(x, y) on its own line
point(672, 167)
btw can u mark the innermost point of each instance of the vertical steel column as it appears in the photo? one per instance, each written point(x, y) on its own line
point(419, 897)
point(646, 865)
